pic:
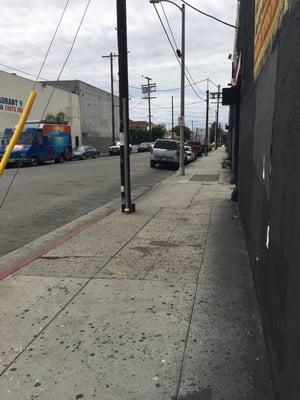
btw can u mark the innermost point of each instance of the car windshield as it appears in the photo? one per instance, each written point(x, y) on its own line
point(166, 144)
point(26, 138)
point(80, 148)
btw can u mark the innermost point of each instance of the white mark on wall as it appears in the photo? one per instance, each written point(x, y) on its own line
point(268, 237)
point(264, 168)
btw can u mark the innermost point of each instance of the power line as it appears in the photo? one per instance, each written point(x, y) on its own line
point(174, 51)
point(210, 16)
point(169, 25)
point(52, 92)
point(187, 86)
point(51, 42)
point(22, 72)
point(186, 68)
point(171, 31)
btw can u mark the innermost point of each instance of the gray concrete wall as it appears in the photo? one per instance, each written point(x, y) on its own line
point(95, 113)
point(269, 189)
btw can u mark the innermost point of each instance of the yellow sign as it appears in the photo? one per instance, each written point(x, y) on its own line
point(268, 15)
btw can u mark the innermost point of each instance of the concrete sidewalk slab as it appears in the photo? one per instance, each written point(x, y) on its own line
point(154, 305)
point(223, 356)
point(117, 340)
point(28, 304)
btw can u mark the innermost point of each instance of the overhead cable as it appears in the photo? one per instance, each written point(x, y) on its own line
point(175, 53)
point(52, 91)
point(171, 31)
point(210, 16)
point(51, 43)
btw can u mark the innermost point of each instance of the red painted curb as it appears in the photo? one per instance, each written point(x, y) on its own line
point(16, 267)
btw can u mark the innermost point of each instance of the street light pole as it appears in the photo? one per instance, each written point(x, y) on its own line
point(182, 56)
point(182, 172)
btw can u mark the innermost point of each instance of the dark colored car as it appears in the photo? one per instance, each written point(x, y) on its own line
point(84, 152)
point(197, 147)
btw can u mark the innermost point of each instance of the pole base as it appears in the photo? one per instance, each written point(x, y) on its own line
point(128, 210)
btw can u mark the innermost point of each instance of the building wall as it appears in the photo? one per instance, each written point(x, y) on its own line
point(18, 88)
point(269, 188)
point(95, 112)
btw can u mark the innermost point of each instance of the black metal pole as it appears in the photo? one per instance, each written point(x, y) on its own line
point(126, 204)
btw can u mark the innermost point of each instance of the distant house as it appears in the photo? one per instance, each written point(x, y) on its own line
point(138, 124)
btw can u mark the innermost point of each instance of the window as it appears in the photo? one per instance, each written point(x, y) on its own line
point(166, 144)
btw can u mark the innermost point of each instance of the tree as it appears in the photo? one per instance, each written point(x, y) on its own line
point(186, 130)
point(212, 133)
point(59, 118)
point(139, 135)
point(157, 132)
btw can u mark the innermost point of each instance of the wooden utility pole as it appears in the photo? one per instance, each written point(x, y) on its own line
point(111, 56)
point(172, 105)
point(206, 126)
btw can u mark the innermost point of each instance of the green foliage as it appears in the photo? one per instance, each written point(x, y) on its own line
point(138, 135)
point(212, 133)
point(187, 132)
point(59, 118)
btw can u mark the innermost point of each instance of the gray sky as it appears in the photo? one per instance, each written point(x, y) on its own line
point(27, 27)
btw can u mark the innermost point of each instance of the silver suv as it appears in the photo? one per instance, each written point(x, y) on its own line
point(165, 152)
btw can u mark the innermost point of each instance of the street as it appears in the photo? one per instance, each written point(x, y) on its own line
point(46, 197)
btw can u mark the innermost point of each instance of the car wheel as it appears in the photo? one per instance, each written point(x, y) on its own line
point(33, 162)
point(152, 164)
point(94, 155)
point(60, 159)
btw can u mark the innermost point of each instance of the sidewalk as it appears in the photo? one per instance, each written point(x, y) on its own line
point(157, 305)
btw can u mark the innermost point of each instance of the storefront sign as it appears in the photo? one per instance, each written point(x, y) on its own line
point(9, 104)
point(268, 15)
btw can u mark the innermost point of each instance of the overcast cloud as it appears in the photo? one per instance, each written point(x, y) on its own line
point(27, 27)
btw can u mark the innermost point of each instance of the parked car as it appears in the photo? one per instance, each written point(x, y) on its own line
point(115, 149)
point(197, 147)
point(83, 152)
point(191, 156)
point(166, 152)
point(146, 146)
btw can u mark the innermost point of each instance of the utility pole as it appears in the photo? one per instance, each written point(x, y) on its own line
point(217, 95)
point(147, 90)
point(172, 103)
point(216, 131)
point(111, 56)
point(126, 204)
point(217, 119)
point(206, 127)
point(193, 127)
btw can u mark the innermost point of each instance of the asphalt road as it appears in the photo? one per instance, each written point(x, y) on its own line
point(46, 197)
